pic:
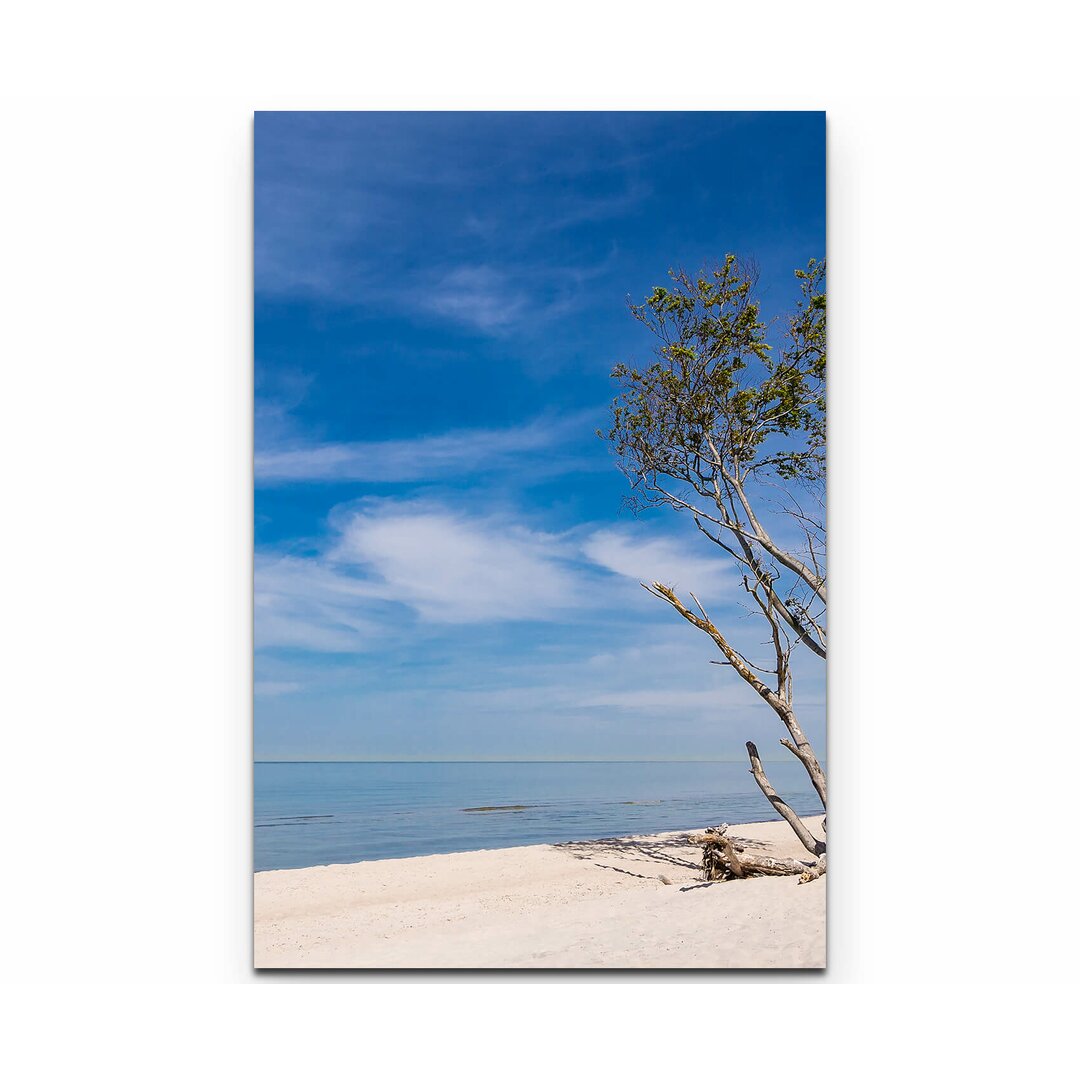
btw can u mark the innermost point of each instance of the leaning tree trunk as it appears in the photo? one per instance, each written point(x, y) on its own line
point(806, 838)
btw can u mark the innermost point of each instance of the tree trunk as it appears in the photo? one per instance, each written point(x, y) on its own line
point(806, 838)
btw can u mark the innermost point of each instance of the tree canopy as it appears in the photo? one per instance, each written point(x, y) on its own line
point(719, 397)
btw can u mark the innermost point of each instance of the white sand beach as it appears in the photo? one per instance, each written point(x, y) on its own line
point(588, 904)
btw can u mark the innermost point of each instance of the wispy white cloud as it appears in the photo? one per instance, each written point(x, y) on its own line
point(494, 299)
point(302, 603)
point(450, 567)
point(543, 446)
point(445, 566)
point(633, 554)
point(278, 392)
point(477, 296)
point(341, 199)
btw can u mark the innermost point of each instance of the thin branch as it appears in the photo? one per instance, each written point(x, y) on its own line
point(752, 563)
point(785, 558)
point(810, 764)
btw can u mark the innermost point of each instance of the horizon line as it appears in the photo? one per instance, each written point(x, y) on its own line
point(506, 761)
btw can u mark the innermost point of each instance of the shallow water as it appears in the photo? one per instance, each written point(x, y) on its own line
point(313, 813)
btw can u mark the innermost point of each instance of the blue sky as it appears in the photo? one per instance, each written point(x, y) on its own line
point(444, 567)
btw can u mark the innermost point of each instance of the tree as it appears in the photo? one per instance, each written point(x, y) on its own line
point(728, 427)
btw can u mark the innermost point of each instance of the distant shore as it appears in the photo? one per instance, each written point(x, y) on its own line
point(588, 904)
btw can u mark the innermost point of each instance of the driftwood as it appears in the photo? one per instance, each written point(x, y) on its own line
point(722, 859)
point(812, 873)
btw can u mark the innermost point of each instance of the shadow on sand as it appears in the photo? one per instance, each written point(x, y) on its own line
point(644, 856)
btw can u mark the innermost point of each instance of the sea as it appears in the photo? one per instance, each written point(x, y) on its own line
point(318, 813)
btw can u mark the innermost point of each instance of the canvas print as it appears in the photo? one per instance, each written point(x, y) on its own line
point(540, 540)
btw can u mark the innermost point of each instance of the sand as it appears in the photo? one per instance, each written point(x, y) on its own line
point(589, 904)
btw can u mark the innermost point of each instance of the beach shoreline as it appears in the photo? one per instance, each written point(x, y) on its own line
point(625, 902)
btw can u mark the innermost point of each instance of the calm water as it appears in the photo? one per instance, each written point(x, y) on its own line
point(312, 813)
